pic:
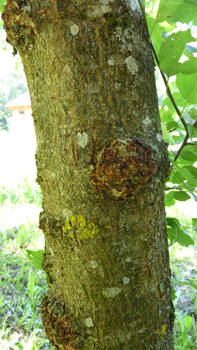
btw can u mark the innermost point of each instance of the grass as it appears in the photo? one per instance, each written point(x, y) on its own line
point(22, 286)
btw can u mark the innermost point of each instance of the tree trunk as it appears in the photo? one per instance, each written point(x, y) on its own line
point(102, 165)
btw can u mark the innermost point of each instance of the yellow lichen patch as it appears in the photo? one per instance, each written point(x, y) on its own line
point(77, 225)
point(162, 332)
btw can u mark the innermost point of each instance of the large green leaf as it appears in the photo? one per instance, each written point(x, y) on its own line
point(36, 257)
point(184, 239)
point(181, 196)
point(172, 49)
point(166, 9)
point(185, 13)
point(187, 85)
point(188, 156)
point(192, 170)
point(187, 67)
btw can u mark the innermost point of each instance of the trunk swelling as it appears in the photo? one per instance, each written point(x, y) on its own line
point(102, 166)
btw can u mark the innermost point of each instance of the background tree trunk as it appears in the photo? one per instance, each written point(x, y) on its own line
point(102, 166)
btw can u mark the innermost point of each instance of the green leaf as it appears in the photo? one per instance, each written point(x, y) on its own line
point(183, 283)
point(2, 4)
point(157, 33)
point(36, 257)
point(194, 224)
point(185, 13)
point(20, 346)
point(169, 199)
point(177, 178)
point(31, 284)
point(187, 85)
point(180, 101)
point(193, 113)
point(188, 156)
point(165, 132)
point(172, 234)
point(184, 239)
point(181, 196)
point(166, 115)
point(188, 321)
point(177, 234)
point(172, 126)
point(187, 67)
point(172, 50)
point(190, 129)
point(192, 170)
point(167, 102)
point(173, 294)
point(177, 139)
point(174, 223)
point(166, 9)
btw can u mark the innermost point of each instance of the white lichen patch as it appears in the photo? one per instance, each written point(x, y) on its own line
point(67, 213)
point(67, 68)
point(126, 280)
point(89, 322)
point(117, 86)
point(98, 11)
point(159, 137)
point(51, 250)
point(111, 62)
point(134, 5)
point(147, 121)
point(128, 259)
point(82, 139)
point(74, 29)
point(94, 264)
point(131, 65)
point(111, 292)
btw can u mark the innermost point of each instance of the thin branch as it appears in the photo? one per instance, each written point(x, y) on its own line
point(185, 143)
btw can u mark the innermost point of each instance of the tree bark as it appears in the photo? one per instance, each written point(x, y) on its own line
point(102, 166)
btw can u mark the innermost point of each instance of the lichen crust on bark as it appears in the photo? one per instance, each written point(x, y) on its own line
point(124, 167)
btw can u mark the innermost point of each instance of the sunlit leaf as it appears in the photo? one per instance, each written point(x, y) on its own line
point(36, 257)
point(181, 196)
point(187, 85)
point(185, 13)
point(172, 49)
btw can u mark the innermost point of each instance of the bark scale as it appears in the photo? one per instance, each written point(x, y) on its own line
point(102, 165)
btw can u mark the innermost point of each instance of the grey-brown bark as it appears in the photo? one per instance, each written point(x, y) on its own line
point(102, 165)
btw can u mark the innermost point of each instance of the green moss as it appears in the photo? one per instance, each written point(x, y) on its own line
point(83, 14)
point(140, 133)
point(116, 20)
point(79, 227)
